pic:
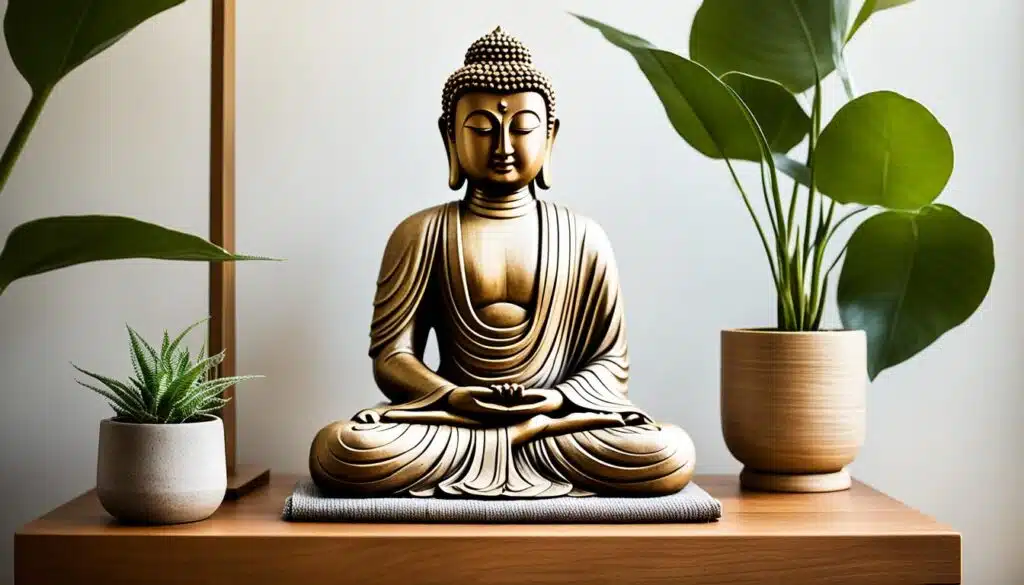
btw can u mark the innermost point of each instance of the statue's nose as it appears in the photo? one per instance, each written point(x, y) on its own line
point(505, 148)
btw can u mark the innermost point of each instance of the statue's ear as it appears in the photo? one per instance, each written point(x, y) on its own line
point(455, 176)
point(544, 177)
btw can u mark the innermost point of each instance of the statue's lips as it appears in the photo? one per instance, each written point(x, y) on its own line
point(502, 167)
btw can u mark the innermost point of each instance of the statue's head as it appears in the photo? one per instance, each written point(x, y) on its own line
point(498, 117)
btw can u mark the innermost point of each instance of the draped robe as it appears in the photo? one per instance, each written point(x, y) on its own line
point(574, 342)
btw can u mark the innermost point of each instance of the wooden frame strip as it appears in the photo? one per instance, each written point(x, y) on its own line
point(222, 204)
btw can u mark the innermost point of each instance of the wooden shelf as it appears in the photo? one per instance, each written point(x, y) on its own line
point(859, 536)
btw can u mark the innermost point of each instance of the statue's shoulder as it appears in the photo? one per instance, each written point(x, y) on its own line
point(411, 239)
point(592, 234)
point(417, 226)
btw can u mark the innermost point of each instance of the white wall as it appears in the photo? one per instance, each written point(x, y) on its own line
point(337, 105)
point(125, 134)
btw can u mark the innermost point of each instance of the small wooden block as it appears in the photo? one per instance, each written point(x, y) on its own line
point(245, 479)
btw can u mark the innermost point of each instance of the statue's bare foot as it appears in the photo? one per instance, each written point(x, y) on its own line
point(367, 416)
point(543, 425)
point(633, 419)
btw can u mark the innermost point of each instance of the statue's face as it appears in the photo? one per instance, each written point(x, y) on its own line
point(501, 140)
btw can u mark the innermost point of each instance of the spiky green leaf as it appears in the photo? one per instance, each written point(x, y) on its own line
point(209, 392)
point(168, 386)
point(129, 394)
point(181, 336)
point(186, 381)
point(118, 403)
point(143, 363)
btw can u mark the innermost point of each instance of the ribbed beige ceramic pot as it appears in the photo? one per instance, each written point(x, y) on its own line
point(793, 406)
point(161, 473)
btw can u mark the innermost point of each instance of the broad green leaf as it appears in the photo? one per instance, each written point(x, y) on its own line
point(883, 149)
point(782, 120)
point(790, 41)
point(797, 171)
point(908, 278)
point(51, 243)
point(701, 108)
point(49, 38)
point(870, 7)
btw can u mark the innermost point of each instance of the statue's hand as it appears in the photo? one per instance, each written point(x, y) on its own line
point(504, 400)
point(367, 416)
point(508, 393)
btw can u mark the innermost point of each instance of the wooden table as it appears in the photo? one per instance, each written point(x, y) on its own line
point(858, 536)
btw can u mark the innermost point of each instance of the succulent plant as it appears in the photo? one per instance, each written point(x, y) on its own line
point(169, 386)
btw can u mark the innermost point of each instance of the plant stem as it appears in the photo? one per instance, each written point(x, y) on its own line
point(21, 133)
point(833, 231)
point(782, 237)
point(753, 216)
point(768, 206)
point(791, 216)
point(808, 310)
point(836, 261)
point(841, 221)
point(783, 246)
point(812, 145)
point(820, 307)
point(798, 287)
point(829, 230)
point(818, 289)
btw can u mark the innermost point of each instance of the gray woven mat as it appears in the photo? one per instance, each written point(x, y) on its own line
point(692, 504)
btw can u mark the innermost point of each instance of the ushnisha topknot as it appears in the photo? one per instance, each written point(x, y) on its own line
point(496, 62)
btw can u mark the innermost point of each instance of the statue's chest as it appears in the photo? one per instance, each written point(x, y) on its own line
point(500, 257)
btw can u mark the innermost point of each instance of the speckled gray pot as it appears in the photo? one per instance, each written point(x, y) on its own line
point(161, 474)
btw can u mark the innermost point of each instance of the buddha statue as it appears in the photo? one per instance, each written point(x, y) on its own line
point(529, 399)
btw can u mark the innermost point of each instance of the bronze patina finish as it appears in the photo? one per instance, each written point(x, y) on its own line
point(530, 396)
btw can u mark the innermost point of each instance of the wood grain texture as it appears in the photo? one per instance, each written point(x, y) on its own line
point(222, 204)
point(852, 537)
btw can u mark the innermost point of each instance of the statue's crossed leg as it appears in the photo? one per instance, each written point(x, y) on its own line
point(543, 456)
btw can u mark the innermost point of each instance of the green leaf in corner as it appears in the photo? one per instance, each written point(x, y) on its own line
point(49, 38)
point(790, 41)
point(909, 277)
point(883, 149)
point(782, 120)
point(702, 109)
point(51, 243)
point(870, 7)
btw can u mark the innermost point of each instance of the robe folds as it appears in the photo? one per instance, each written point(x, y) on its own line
point(574, 342)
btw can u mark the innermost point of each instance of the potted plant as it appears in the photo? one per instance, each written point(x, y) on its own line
point(793, 394)
point(161, 457)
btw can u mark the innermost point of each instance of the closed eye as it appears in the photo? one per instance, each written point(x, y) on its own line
point(524, 122)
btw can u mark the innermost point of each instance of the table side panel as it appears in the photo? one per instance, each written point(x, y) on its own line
point(734, 560)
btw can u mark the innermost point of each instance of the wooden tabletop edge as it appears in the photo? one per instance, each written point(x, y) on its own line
point(79, 517)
